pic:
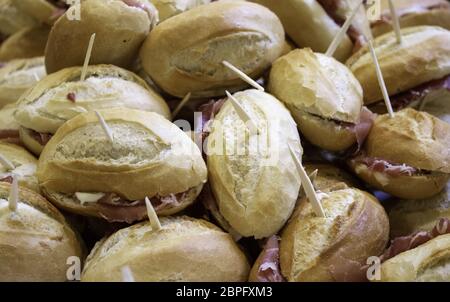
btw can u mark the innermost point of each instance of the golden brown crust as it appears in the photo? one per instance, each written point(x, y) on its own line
point(329, 177)
point(185, 53)
point(424, 53)
point(185, 249)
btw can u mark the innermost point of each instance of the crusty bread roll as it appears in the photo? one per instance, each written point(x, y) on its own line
point(170, 8)
point(35, 241)
point(18, 76)
point(150, 157)
point(119, 28)
point(321, 93)
point(423, 56)
point(26, 43)
point(428, 262)
point(185, 53)
point(329, 177)
point(410, 216)
point(12, 19)
point(185, 249)
point(336, 247)
point(9, 128)
point(413, 13)
point(309, 25)
point(254, 182)
point(413, 139)
point(24, 163)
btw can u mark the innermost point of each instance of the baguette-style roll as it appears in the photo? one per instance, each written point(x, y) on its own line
point(423, 56)
point(26, 43)
point(407, 156)
point(35, 241)
point(61, 95)
point(322, 94)
point(251, 174)
point(335, 247)
point(120, 30)
point(17, 76)
point(24, 166)
point(185, 53)
point(413, 13)
point(81, 171)
point(185, 249)
point(12, 19)
point(170, 8)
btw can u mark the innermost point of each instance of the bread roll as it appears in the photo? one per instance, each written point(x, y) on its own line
point(150, 157)
point(18, 76)
point(185, 249)
point(424, 53)
point(35, 241)
point(9, 128)
point(329, 177)
point(321, 94)
point(12, 19)
point(26, 43)
point(120, 30)
point(336, 247)
point(185, 53)
point(170, 8)
point(413, 13)
point(253, 179)
point(24, 163)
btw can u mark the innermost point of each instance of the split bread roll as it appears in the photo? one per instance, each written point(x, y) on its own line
point(407, 156)
point(322, 95)
point(24, 166)
point(120, 30)
point(17, 76)
point(428, 262)
point(411, 216)
point(62, 95)
point(335, 247)
point(424, 53)
point(12, 19)
point(185, 53)
point(185, 249)
point(413, 13)
point(35, 240)
point(170, 8)
point(251, 174)
point(81, 171)
point(9, 128)
point(26, 43)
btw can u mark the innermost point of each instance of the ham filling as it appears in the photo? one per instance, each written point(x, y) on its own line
point(209, 111)
point(384, 166)
point(41, 138)
point(269, 270)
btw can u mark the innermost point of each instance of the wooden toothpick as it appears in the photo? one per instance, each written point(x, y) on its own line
point(396, 22)
point(105, 127)
point(307, 186)
point(13, 197)
point(243, 115)
point(6, 163)
point(183, 102)
point(154, 220)
point(242, 75)
point(127, 274)
point(87, 57)
point(381, 82)
point(342, 32)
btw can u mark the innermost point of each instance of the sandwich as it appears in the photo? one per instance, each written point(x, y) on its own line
point(185, 249)
point(17, 76)
point(26, 43)
point(9, 128)
point(420, 257)
point(24, 166)
point(12, 19)
point(62, 95)
point(323, 96)
point(81, 171)
point(120, 29)
point(414, 215)
point(412, 13)
point(407, 156)
point(315, 23)
point(326, 249)
point(185, 53)
point(414, 70)
point(326, 177)
point(250, 172)
point(35, 239)
point(170, 8)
